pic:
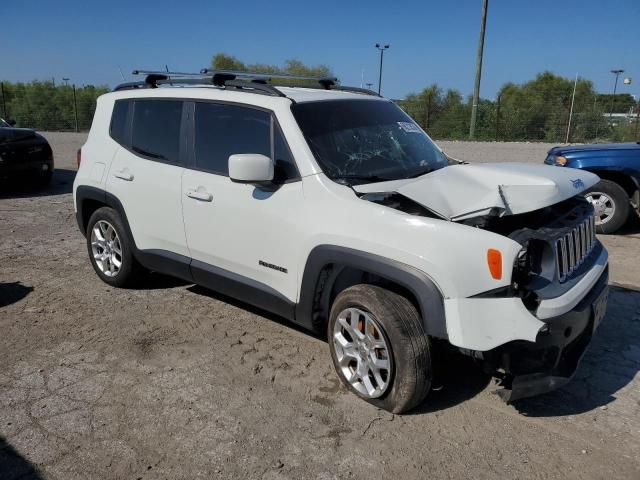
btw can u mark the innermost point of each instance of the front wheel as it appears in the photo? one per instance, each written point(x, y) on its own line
point(611, 205)
point(379, 347)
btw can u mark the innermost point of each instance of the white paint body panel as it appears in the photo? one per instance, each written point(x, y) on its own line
point(242, 224)
point(151, 194)
point(464, 191)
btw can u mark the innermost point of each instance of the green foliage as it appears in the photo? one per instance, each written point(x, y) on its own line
point(537, 110)
point(221, 61)
point(621, 103)
point(43, 106)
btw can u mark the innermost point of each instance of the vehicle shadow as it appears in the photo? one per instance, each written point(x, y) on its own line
point(61, 183)
point(632, 227)
point(13, 466)
point(158, 281)
point(199, 290)
point(457, 378)
point(12, 292)
point(610, 364)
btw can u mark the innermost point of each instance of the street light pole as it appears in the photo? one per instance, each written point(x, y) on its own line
point(476, 86)
point(615, 87)
point(382, 49)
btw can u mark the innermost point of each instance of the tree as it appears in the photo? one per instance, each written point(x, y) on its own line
point(222, 61)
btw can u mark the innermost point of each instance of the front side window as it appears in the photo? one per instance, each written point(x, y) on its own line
point(156, 129)
point(223, 130)
point(363, 141)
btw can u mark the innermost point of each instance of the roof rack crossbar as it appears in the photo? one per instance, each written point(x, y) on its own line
point(326, 82)
point(257, 85)
point(240, 80)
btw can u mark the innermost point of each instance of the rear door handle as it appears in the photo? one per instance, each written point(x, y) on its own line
point(201, 195)
point(123, 174)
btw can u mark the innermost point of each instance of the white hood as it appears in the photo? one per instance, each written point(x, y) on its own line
point(464, 191)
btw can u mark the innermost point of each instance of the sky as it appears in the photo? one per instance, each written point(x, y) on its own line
point(89, 42)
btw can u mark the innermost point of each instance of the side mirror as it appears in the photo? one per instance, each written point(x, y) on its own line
point(250, 168)
point(11, 122)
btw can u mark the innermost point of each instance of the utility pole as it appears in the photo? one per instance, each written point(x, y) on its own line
point(4, 101)
point(75, 106)
point(573, 97)
point(476, 87)
point(498, 115)
point(615, 87)
point(637, 118)
point(382, 49)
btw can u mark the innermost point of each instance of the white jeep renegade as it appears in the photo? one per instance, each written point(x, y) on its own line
point(329, 206)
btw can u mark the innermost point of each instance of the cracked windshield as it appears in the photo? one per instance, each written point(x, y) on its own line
point(364, 141)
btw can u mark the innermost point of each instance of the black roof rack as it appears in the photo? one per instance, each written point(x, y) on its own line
point(250, 81)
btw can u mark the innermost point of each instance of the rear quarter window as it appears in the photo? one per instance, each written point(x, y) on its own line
point(118, 129)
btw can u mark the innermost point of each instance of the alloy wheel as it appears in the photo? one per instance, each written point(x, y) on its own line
point(603, 205)
point(106, 248)
point(364, 358)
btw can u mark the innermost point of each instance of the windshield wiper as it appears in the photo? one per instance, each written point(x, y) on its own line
point(345, 179)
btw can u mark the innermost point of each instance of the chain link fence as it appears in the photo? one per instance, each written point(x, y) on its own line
point(45, 106)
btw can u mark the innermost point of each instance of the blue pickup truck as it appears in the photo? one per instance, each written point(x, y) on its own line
point(618, 166)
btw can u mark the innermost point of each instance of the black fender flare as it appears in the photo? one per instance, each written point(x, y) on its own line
point(427, 294)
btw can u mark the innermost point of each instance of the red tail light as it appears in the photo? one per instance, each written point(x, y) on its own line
point(79, 156)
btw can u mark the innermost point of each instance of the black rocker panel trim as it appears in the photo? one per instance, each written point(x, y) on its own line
point(242, 288)
point(425, 291)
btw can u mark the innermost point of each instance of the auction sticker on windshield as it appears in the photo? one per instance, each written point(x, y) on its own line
point(409, 127)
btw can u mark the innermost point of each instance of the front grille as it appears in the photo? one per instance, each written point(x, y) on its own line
point(574, 246)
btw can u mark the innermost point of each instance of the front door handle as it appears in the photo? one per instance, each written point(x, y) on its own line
point(200, 194)
point(123, 174)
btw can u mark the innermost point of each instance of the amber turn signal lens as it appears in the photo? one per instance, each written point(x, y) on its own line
point(560, 160)
point(494, 261)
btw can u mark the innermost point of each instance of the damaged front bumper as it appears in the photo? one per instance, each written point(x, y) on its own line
point(551, 361)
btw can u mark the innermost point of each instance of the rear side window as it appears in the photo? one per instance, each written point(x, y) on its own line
point(156, 129)
point(224, 130)
point(118, 129)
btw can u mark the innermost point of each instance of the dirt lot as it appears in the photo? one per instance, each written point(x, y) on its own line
point(173, 381)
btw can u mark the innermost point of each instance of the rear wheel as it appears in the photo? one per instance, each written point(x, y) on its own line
point(379, 347)
point(110, 249)
point(611, 205)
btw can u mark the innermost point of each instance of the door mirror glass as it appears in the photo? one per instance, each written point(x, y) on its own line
point(250, 168)
point(11, 122)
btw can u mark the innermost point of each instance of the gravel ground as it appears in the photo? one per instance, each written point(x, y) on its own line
point(174, 381)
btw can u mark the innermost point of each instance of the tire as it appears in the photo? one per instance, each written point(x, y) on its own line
point(119, 251)
point(611, 204)
point(408, 378)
